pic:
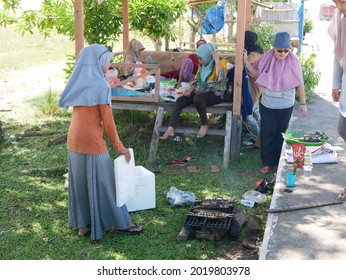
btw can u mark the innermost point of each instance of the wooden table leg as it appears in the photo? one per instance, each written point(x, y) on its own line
point(227, 145)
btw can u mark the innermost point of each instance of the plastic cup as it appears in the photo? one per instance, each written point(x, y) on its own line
point(307, 171)
point(290, 179)
point(13, 139)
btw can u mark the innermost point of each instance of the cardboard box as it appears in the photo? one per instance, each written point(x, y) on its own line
point(145, 190)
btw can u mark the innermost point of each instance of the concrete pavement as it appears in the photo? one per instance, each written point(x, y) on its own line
point(316, 233)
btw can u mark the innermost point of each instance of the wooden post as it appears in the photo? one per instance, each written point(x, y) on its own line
point(239, 56)
point(227, 146)
point(126, 39)
point(243, 6)
point(78, 26)
point(248, 15)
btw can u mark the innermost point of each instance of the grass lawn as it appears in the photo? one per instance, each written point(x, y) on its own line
point(33, 204)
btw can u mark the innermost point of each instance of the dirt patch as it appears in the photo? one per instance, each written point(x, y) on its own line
point(20, 85)
point(236, 251)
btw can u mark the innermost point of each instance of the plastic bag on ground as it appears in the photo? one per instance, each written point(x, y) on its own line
point(255, 196)
point(180, 198)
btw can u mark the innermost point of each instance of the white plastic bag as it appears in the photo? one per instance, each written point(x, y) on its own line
point(319, 154)
point(255, 196)
point(180, 198)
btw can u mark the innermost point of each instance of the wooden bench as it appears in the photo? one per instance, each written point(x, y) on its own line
point(222, 109)
point(162, 107)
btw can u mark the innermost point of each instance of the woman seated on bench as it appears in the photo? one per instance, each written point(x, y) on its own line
point(207, 90)
point(188, 68)
point(132, 54)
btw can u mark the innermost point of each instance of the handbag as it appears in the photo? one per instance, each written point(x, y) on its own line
point(228, 94)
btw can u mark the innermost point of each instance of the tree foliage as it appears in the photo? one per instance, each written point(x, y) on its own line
point(102, 23)
point(156, 18)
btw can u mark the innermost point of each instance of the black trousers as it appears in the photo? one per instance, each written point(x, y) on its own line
point(273, 123)
point(201, 101)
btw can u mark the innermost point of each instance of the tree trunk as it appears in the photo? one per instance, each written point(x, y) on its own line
point(157, 44)
point(229, 19)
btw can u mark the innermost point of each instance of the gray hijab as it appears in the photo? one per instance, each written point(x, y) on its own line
point(87, 85)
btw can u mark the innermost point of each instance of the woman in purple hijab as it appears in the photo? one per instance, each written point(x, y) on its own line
point(278, 72)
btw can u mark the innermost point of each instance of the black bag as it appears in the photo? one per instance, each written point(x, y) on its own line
point(228, 94)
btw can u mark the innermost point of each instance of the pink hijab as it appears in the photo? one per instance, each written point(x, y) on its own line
point(276, 74)
point(337, 31)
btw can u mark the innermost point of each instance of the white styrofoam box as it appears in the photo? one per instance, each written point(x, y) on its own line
point(145, 190)
point(125, 179)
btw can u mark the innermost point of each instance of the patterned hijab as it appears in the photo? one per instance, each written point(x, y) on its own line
point(205, 72)
point(87, 85)
point(337, 31)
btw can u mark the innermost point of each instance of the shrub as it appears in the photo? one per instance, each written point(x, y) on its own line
point(311, 75)
point(47, 105)
point(308, 26)
point(266, 34)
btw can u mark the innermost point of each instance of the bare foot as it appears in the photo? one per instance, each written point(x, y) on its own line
point(168, 134)
point(202, 131)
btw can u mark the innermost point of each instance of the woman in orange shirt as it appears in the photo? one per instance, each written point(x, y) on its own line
point(92, 198)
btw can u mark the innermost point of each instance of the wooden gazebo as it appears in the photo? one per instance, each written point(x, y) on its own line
point(243, 23)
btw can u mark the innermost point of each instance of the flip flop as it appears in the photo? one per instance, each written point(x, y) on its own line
point(192, 169)
point(187, 159)
point(215, 168)
point(176, 162)
point(85, 233)
point(342, 196)
point(129, 231)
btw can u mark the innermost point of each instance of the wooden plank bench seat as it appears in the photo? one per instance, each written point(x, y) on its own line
point(224, 108)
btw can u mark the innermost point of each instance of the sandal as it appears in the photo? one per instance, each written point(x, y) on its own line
point(187, 159)
point(342, 196)
point(130, 230)
point(84, 231)
point(215, 168)
point(192, 169)
point(176, 162)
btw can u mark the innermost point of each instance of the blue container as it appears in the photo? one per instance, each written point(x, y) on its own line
point(290, 179)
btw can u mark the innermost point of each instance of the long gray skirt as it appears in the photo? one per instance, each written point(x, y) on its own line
point(91, 196)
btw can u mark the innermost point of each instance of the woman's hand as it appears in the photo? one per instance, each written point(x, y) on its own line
point(127, 155)
point(215, 54)
point(188, 91)
point(216, 57)
point(246, 61)
point(301, 93)
point(177, 85)
point(303, 110)
point(336, 94)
